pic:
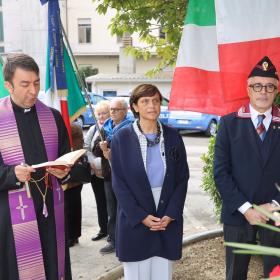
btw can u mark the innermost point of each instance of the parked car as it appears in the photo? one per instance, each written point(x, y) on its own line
point(193, 121)
point(86, 119)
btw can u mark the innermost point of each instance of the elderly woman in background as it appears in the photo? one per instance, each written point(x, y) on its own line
point(102, 113)
point(149, 177)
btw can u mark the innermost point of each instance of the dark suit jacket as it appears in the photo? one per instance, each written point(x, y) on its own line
point(134, 241)
point(243, 169)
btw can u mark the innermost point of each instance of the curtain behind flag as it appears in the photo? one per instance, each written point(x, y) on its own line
point(221, 42)
point(62, 88)
point(3, 90)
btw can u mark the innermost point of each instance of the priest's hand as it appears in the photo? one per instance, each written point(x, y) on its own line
point(254, 217)
point(59, 173)
point(23, 172)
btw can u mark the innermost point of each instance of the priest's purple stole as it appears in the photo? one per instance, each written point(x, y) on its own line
point(24, 222)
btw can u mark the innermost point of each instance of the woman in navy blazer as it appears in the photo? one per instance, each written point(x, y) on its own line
point(149, 176)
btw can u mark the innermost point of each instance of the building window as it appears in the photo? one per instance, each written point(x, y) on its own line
point(84, 30)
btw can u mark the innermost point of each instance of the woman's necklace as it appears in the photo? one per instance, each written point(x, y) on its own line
point(45, 209)
point(151, 143)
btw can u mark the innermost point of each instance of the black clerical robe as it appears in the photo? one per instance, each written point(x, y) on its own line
point(34, 153)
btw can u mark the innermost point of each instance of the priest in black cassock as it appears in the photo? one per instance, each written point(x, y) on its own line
point(32, 226)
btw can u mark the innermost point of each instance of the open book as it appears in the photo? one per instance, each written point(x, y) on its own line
point(63, 161)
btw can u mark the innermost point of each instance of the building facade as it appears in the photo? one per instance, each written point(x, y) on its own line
point(24, 29)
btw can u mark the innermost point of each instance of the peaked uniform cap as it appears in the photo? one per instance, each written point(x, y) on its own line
point(264, 68)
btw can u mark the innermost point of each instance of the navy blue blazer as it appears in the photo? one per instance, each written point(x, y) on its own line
point(135, 241)
point(244, 170)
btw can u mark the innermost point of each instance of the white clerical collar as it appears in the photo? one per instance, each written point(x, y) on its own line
point(27, 110)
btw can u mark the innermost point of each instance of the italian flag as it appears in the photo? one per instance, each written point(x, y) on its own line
point(62, 88)
point(69, 102)
point(221, 42)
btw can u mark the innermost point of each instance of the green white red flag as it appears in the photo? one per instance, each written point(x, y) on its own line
point(62, 89)
point(221, 42)
point(74, 98)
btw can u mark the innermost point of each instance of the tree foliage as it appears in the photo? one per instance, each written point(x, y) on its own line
point(146, 17)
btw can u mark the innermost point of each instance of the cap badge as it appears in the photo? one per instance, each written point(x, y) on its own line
point(265, 66)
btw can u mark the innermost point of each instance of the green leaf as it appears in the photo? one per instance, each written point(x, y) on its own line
point(252, 252)
point(269, 227)
point(263, 249)
point(266, 213)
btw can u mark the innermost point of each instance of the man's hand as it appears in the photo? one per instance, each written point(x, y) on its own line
point(23, 172)
point(152, 222)
point(254, 217)
point(103, 146)
point(59, 173)
point(268, 207)
point(107, 154)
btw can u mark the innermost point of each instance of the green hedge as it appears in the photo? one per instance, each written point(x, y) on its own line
point(208, 183)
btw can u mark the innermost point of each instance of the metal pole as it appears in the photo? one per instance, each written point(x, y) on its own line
point(81, 81)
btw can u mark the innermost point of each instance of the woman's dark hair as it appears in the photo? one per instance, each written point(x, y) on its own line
point(18, 60)
point(143, 90)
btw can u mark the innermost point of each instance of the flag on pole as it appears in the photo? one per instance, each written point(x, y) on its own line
point(3, 91)
point(220, 44)
point(62, 88)
point(75, 100)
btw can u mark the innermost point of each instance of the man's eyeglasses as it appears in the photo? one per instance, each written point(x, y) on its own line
point(269, 88)
point(116, 109)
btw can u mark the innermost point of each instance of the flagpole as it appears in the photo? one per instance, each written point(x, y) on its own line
point(80, 80)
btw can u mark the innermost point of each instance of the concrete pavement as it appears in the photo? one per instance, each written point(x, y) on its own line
point(88, 264)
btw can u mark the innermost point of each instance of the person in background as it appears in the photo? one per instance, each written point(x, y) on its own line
point(73, 192)
point(246, 159)
point(102, 113)
point(117, 121)
point(149, 177)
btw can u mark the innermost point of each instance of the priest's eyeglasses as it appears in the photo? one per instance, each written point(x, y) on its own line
point(269, 88)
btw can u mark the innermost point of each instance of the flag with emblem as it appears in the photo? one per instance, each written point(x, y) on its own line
point(62, 88)
point(220, 44)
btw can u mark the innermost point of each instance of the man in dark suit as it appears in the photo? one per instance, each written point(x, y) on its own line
point(246, 168)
